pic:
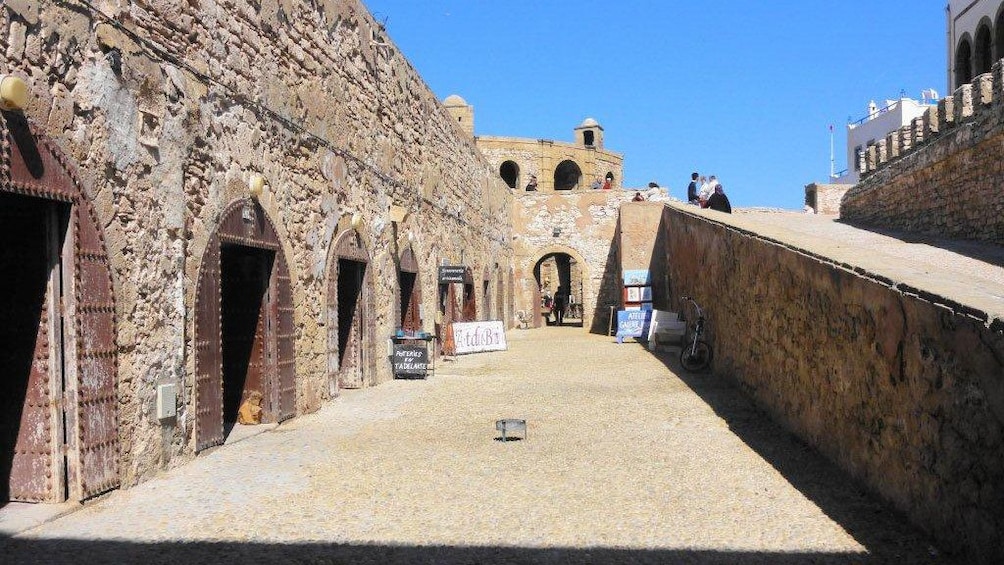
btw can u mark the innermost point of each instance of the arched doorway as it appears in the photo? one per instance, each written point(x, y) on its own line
point(567, 176)
point(349, 305)
point(244, 332)
point(411, 292)
point(58, 330)
point(983, 56)
point(559, 277)
point(963, 63)
point(509, 171)
point(486, 293)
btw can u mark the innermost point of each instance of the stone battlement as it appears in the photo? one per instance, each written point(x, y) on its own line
point(939, 175)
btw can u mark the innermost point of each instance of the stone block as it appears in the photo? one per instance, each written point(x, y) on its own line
point(984, 89)
point(946, 112)
point(963, 102)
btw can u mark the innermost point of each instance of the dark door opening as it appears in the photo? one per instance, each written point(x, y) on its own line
point(31, 349)
point(410, 320)
point(559, 276)
point(350, 322)
point(245, 274)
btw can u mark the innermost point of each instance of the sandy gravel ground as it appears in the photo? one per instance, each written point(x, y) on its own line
point(625, 462)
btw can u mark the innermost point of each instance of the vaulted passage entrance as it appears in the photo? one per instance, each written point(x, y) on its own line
point(411, 292)
point(58, 360)
point(349, 305)
point(244, 325)
point(559, 279)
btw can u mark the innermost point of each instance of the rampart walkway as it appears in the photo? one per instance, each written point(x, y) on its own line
point(625, 462)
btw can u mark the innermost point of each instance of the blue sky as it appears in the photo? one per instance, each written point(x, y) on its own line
point(745, 90)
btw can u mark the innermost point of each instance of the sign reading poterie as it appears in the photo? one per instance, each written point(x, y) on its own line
point(411, 360)
point(451, 274)
point(475, 337)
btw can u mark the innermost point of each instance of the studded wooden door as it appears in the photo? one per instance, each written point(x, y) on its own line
point(208, 351)
point(285, 361)
point(86, 359)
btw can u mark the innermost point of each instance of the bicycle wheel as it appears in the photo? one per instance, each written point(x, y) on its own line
point(696, 358)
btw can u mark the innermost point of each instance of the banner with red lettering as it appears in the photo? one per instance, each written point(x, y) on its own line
point(476, 337)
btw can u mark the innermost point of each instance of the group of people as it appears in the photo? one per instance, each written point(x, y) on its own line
point(557, 305)
point(707, 192)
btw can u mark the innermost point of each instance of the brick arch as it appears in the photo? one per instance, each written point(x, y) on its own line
point(32, 166)
point(245, 224)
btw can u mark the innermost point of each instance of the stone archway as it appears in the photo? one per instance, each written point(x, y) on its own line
point(584, 292)
point(244, 331)
point(350, 303)
point(964, 62)
point(59, 328)
point(567, 175)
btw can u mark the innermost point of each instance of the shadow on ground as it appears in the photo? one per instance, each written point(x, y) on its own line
point(885, 532)
point(17, 551)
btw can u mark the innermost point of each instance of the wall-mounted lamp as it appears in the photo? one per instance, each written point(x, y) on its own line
point(256, 184)
point(357, 221)
point(13, 93)
point(556, 232)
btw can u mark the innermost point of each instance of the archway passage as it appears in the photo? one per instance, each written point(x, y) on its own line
point(245, 274)
point(411, 293)
point(509, 171)
point(349, 303)
point(983, 50)
point(567, 176)
point(559, 278)
point(58, 329)
point(963, 64)
point(244, 332)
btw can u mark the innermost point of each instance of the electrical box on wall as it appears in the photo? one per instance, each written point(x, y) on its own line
point(167, 401)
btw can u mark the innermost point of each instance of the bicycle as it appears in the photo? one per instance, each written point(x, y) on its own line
point(696, 354)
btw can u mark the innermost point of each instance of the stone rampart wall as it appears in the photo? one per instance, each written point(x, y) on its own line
point(167, 109)
point(904, 392)
point(941, 174)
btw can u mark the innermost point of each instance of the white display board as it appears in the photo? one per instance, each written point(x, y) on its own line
point(476, 337)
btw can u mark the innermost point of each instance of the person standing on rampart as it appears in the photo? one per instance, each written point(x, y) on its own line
point(692, 189)
point(532, 185)
point(718, 200)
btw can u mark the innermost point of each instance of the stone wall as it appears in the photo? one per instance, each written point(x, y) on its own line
point(586, 224)
point(541, 157)
point(905, 392)
point(168, 108)
point(941, 174)
point(825, 198)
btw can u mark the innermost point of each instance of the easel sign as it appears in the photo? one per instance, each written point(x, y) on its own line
point(632, 323)
point(410, 360)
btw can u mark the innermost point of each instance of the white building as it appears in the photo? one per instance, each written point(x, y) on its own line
point(975, 38)
point(878, 123)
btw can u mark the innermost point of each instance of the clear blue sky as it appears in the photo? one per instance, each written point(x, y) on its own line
point(745, 90)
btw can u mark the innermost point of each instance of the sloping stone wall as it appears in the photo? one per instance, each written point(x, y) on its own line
point(944, 173)
point(168, 108)
point(905, 393)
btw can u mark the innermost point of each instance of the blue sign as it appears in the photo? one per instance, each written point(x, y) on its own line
point(637, 277)
point(632, 323)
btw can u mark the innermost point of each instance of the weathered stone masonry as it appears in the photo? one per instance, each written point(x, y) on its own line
point(943, 174)
point(902, 389)
point(166, 109)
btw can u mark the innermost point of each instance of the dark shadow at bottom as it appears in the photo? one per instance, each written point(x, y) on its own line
point(59, 551)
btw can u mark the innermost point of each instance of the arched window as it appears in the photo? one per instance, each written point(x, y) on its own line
point(963, 63)
point(999, 35)
point(983, 56)
point(567, 175)
point(509, 171)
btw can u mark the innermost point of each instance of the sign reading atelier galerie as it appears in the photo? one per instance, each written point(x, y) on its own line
point(410, 360)
point(475, 337)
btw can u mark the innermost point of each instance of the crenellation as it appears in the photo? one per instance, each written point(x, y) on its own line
point(917, 131)
point(892, 144)
point(963, 103)
point(905, 135)
point(882, 152)
point(946, 113)
point(984, 90)
point(932, 123)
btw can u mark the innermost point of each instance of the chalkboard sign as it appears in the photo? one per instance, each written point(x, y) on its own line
point(632, 323)
point(452, 274)
point(410, 360)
